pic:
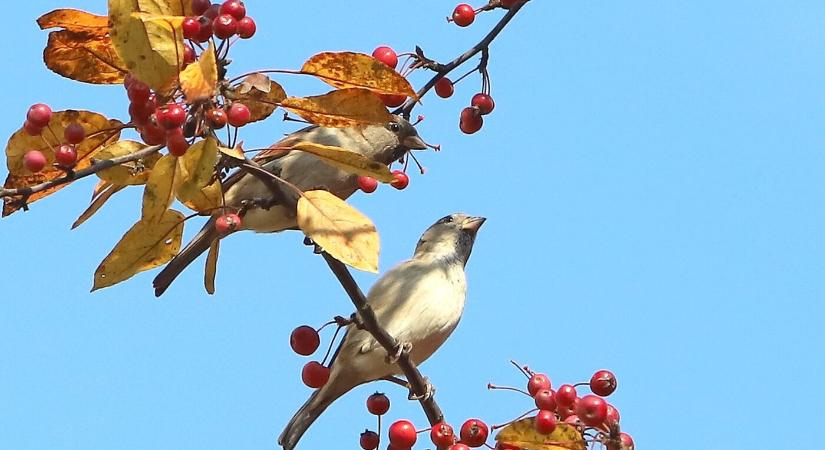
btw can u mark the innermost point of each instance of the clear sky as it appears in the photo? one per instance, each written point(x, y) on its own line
point(654, 179)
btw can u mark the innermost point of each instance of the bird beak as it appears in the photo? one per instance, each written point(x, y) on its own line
point(414, 142)
point(472, 224)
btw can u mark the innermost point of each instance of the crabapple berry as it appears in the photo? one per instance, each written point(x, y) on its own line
point(176, 143)
point(304, 340)
point(39, 115)
point(369, 440)
point(224, 26)
point(392, 101)
point(200, 6)
point(386, 55)
point(545, 421)
point(205, 31)
point(188, 54)
point(171, 116)
point(246, 28)
point(444, 87)
point(227, 223)
point(537, 382)
point(401, 179)
point(378, 404)
point(213, 11)
point(65, 155)
point(612, 414)
point(470, 120)
point(566, 395)
point(315, 374)
point(138, 92)
point(191, 27)
point(234, 8)
point(34, 160)
point(31, 129)
point(402, 434)
point(603, 383)
point(74, 133)
point(464, 15)
point(442, 435)
point(367, 184)
point(238, 114)
point(483, 102)
point(152, 134)
point(216, 118)
point(459, 446)
point(545, 399)
point(627, 441)
point(592, 409)
point(474, 433)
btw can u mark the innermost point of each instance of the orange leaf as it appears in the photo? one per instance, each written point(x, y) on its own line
point(76, 21)
point(348, 69)
point(82, 57)
point(341, 108)
point(260, 94)
point(198, 81)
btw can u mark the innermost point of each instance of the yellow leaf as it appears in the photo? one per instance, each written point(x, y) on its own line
point(198, 81)
point(347, 160)
point(211, 266)
point(133, 173)
point(348, 69)
point(148, 38)
point(105, 132)
point(158, 193)
point(197, 167)
point(148, 244)
point(260, 94)
point(341, 108)
point(97, 202)
point(341, 230)
point(523, 434)
point(205, 200)
point(235, 152)
point(99, 187)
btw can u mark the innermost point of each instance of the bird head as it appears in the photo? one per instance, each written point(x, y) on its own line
point(391, 140)
point(451, 236)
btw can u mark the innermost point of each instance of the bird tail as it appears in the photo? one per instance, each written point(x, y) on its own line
point(199, 244)
point(311, 410)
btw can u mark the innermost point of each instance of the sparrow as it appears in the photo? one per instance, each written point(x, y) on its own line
point(384, 143)
point(419, 302)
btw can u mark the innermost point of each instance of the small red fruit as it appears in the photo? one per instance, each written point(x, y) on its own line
point(462, 446)
point(483, 102)
point(444, 87)
point(200, 6)
point(474, 433)
point(627, 442)
point(227, 223)
point(238, 114)
point(386, 55)
point(566, 395)
point(401, 179)
point(34, 160)
point(442, 435)
point(216, 118)
point(246, 28)
point(367, 184)
point(39, 115)
point(378, 404)
point(545, 399)
point(74, 133)
point(176, 143)
point(546, 421)
point(402, 434)
point(592, 410)
point(612, 415)
point(191, 27)
point(138, 92)
point(392, 101)
point(171, 116)
point(314, 374)
point(470, 120)
point(537, 382)
point(205, 32)
point(464, 15)
point(213, 11)
point(140, 112)
point(224, 26)
point(31, 129)
point(304, 340)
point(234, 8)
point(65, 155)
point(603, 383)
point(188, 55)
point(369, 440)
point(152, 134)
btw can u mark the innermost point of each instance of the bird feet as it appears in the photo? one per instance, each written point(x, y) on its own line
point(429, 391)
point(403, 347)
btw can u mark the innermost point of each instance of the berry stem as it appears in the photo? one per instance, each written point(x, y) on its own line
point(496, 427)
point(520, 369)
point(493, 387)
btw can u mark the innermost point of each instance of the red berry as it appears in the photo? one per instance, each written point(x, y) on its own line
point(191, 27)
point(545, 399)
point(315, 374)
point(612, 414)
point(464, 15)
point(627, 441)
point(31, 129)
point(402, 434)
point(227, 223)
point(66, 155)
point(483, 102)
point(444, 87)
point(205, 32)
point(238, 115)
point(152, 134)
point(401, 179)
point(176, 143)
point(171, 116)
point(304, 340)
point(246, 28)
point(141, 112)
point(592, 410)
point(470, 120)
point(537, 382)
point(566, 395)
point(216, 118)
point(442, 435)
point(74, 133)
point(566, 410)
point(369, 440)
point(224, 26)
point(138, 92)
point(234, 8)
point(386, 55)
point(378, 404)
point(474, 433)
point(367, 184)
point(392, 101)
point(200, 6)
point(188, 55)
point(461, 446)
point(213, 11)
point(545, 421)
point(34, 160)
point(603, 383)
point(39, 115)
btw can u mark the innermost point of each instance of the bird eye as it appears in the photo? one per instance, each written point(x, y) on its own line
point(447, 219)
point(395, 127)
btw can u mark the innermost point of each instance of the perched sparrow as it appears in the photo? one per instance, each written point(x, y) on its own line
point(383, 143)
point(419, 302)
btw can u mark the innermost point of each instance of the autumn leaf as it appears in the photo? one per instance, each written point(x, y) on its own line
point(97, 202)
point(523, 434)
point(347, 160)
point(205, 200)
point(260, 94)
point(211, 266)
point(76, 21)
point(341, 108)
point(148, 37)
point(158, 193)
point(148, 244)
point(235, 152)
point(199, 80)
point(196, 167)
point(132, 173)
point(100, 131)
point(341, 230)
point(348, 70)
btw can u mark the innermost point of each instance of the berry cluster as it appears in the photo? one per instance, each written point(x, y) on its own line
point(369, 185)
point(304, 341)
point(219, 20)
point(65, 155)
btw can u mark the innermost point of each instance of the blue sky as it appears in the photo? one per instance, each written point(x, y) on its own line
point(654, 179)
